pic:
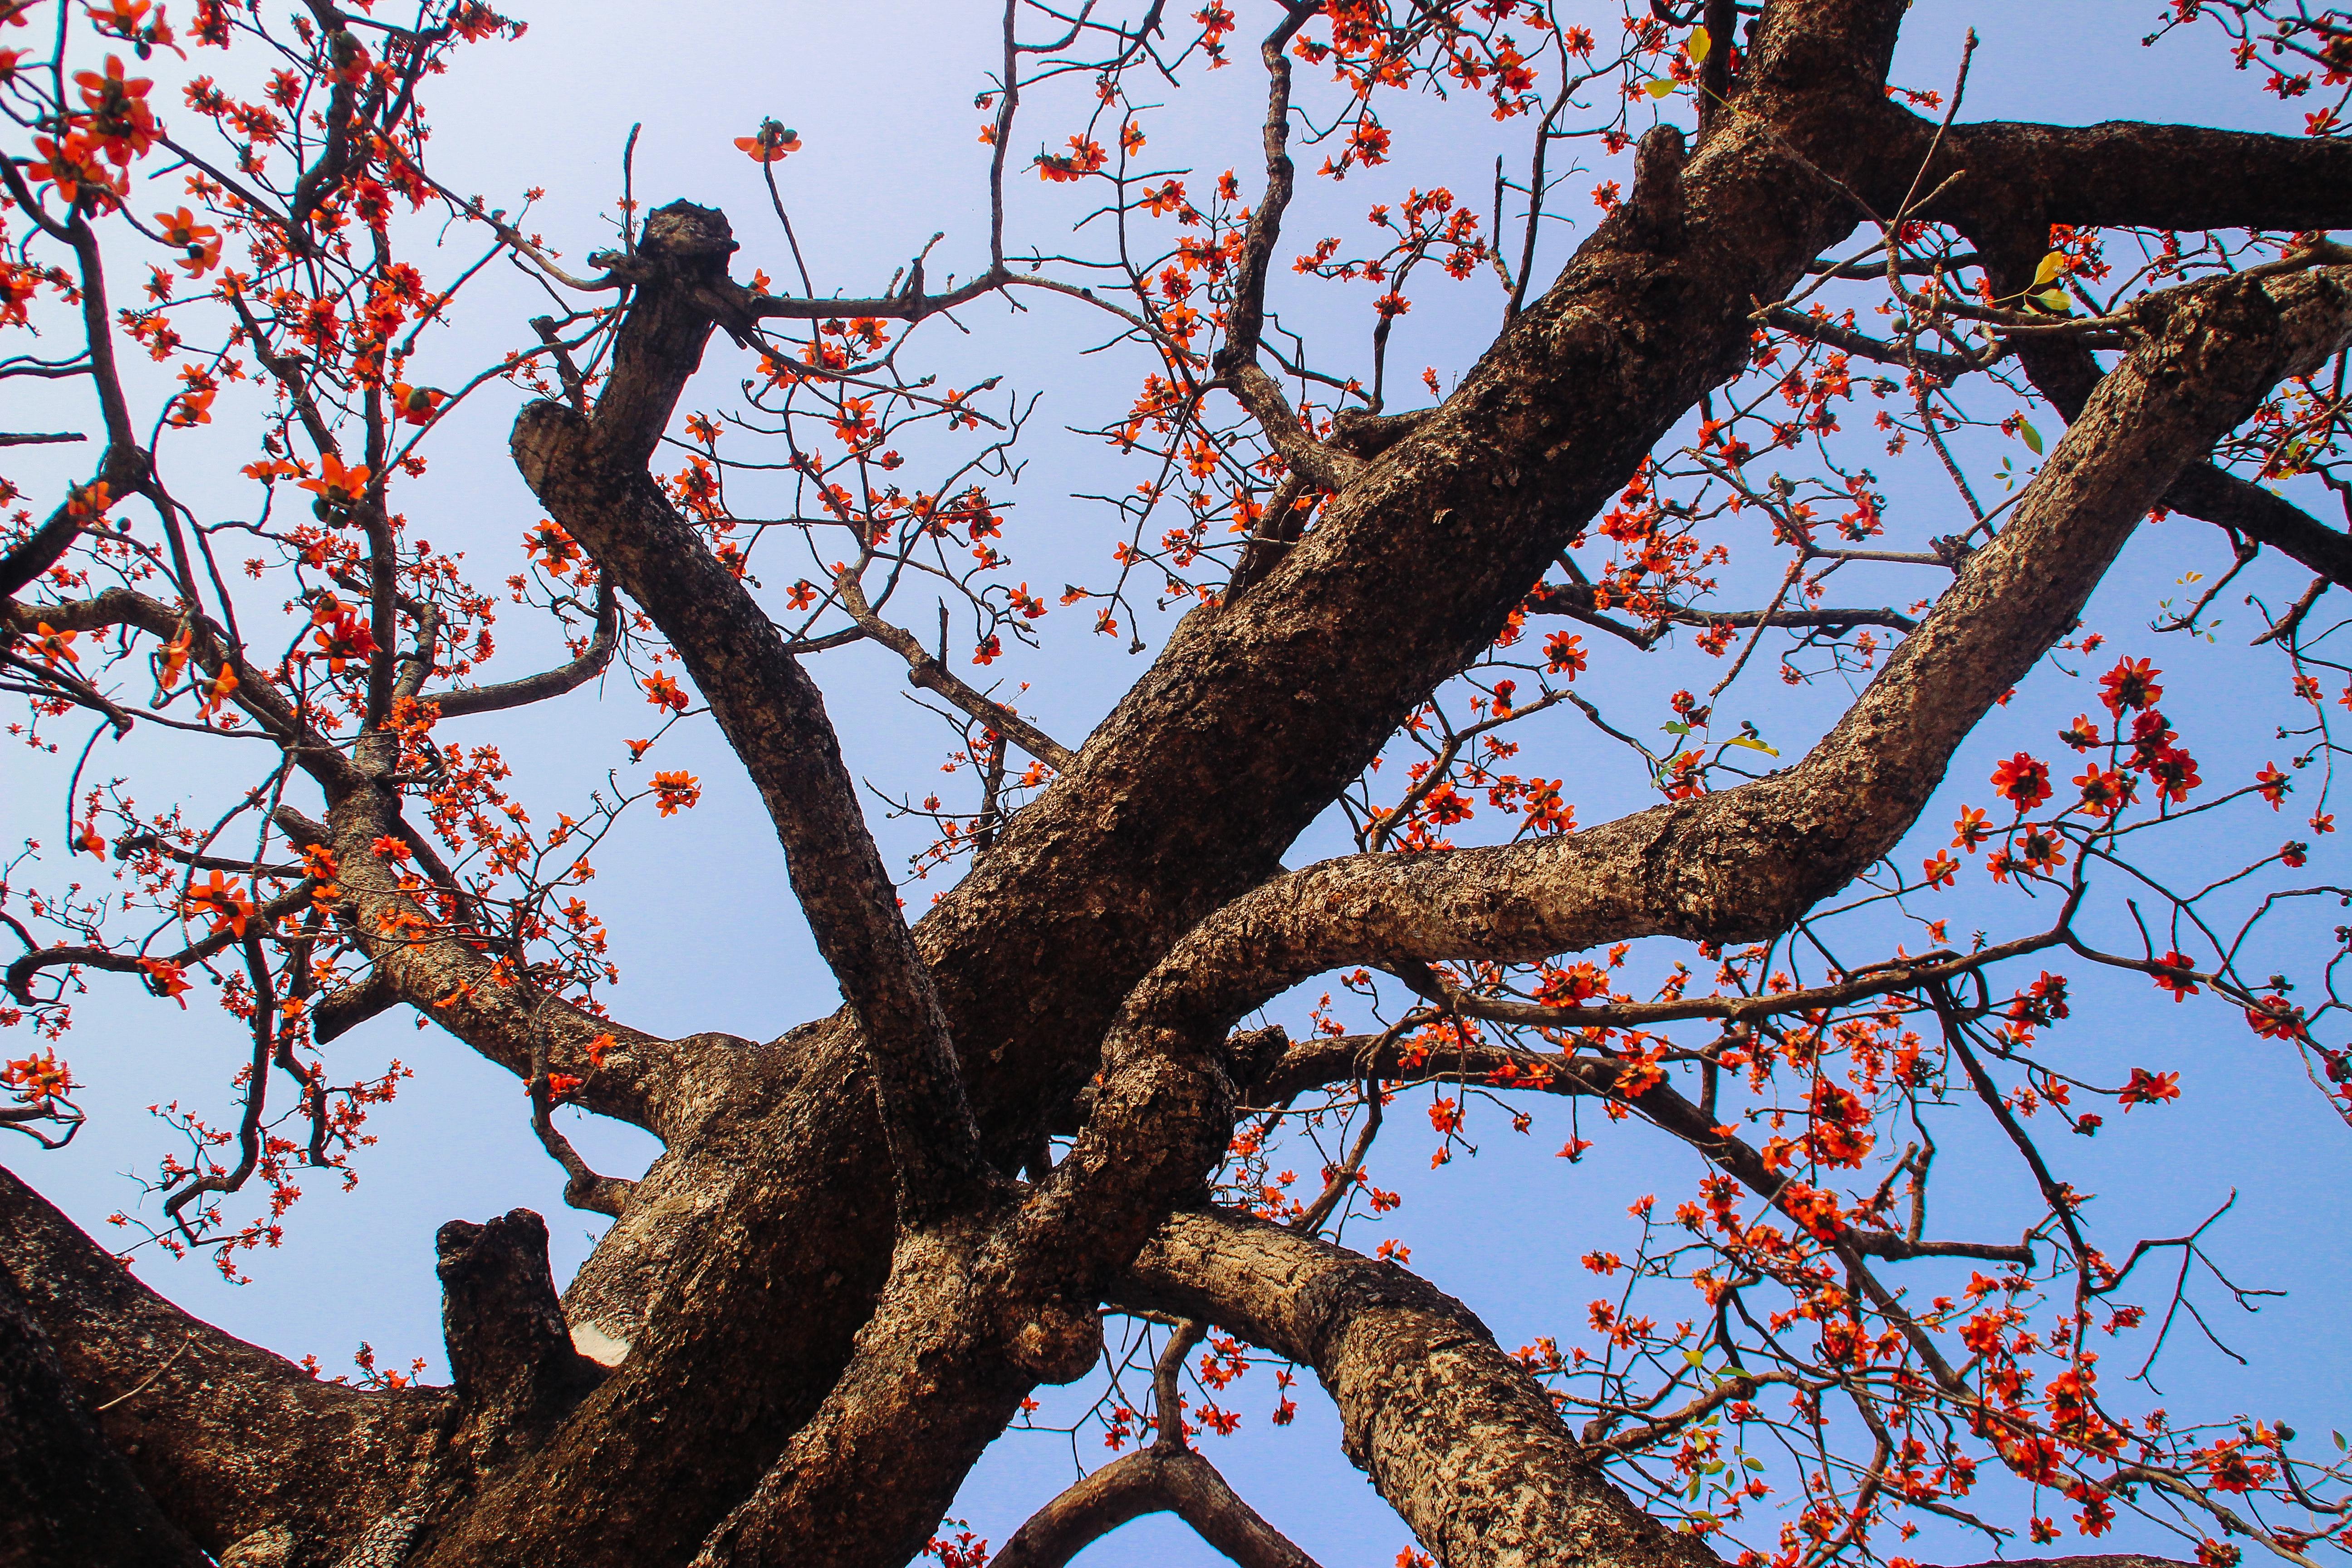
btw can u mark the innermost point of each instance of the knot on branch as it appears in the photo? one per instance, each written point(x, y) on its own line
point(1656, 206)
point(1252, 1054)
point(509, 1349)
point(683, 231)
point(547, 438)
point(1056, 1341)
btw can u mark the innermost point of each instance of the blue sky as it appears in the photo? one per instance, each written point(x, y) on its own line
point(702, 925)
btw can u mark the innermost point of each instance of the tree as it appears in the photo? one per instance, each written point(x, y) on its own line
point(868, 1242)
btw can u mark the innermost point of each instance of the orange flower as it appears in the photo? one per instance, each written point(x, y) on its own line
point(122, 125)
point(74, 167)
point(53, 645)
point(549, 538)
point(677, 790)
point(1083, 158)
point(217, 691)
point(773, 140)
point(338, 489)
point(201, 241)
point(415, 403)
point(223, 902)
point(127, 19)
point(662, 691)
point(166, 978)
point(170, 658)
point(87, 503)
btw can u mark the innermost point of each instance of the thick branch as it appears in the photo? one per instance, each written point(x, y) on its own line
point(1743, 864)
point(508, 1346)
point(2247, 508)
point(2126, 173)
point(661, 1085)
point(1455, 1435)
point(229, 1440)
point(67, 1499)
point(591, 474)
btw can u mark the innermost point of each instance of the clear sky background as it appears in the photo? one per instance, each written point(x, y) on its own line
point(702, 924)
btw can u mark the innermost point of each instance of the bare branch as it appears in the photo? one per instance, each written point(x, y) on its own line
point(547, 683)
point(1153, 1480)
point(929, 673)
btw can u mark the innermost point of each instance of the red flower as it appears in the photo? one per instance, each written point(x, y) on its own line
point(2147, 1088)
point(1564, 652)
point(415, 403)
point(2274, 1018)
point(2023, 781)
point(2182, 986)
point(224, 901)
point(2105, 790)
point(1942, 872)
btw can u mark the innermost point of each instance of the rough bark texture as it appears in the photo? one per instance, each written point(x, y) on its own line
point(827, 1296)
point(509, 1349)
point(67, 1499)
point(229, 1441)
point(1458, 1439)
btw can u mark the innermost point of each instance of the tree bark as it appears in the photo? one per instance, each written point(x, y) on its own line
point(1456, 1435)
point(229, 1441)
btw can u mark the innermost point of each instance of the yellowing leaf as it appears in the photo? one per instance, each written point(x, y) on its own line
point(1700, 42)
point(2050, 265)
point(2053, 301)
point(1753, 744)
point(1658, 87)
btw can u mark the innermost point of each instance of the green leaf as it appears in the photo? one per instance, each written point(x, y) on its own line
point(1658, 87)
point(1752, 1462)
point(2339, 1439)
point(1753, 744)
point(1701, 40)
point(2054, 300)
point(1677, 728)
point(2032, 438)
point(2051, 265)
